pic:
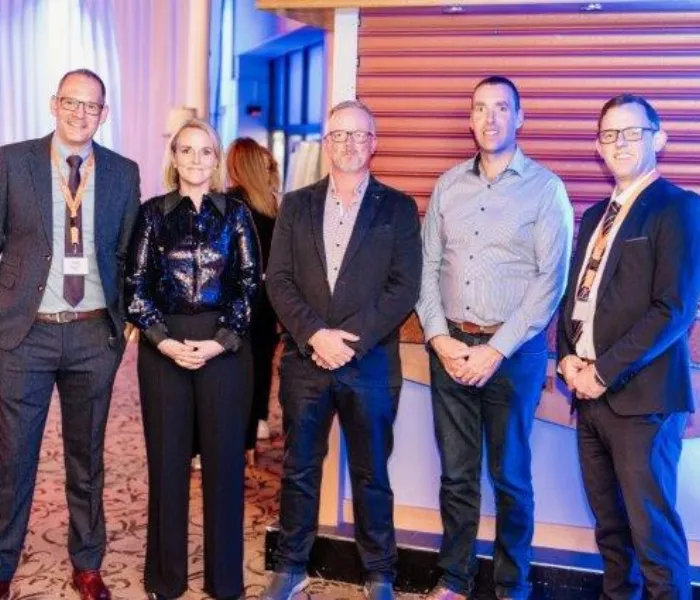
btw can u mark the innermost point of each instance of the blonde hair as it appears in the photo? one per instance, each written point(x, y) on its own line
point(171, 178)
point(253, 168)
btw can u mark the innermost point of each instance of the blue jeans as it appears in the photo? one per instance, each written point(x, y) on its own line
point(501, 413)
point(366, 415)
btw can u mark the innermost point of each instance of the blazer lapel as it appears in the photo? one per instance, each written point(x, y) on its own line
point(584, 238)
point(628, 226)
point(368, 210)
point(106, 210)
point(40, 169)
point(318, 205)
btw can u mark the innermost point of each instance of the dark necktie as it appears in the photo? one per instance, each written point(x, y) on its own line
point(593, 265)
point(74, 285)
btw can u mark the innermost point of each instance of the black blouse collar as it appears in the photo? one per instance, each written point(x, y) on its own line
point(173, 199)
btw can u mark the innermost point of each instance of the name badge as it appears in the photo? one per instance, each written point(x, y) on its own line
point(75, 265)
point(582, 311)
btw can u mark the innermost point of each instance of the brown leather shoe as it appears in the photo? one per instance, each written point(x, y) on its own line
point(90, 586)
point(442, 593)
point(4, 590)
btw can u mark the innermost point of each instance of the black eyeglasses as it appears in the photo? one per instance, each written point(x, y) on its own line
point(341, 135)
point(629, 134)
point(71, 104)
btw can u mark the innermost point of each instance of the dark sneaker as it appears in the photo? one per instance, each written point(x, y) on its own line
point(284, 585)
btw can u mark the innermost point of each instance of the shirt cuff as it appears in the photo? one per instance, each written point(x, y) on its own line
point(599, 380)
point(228, 339)
point(435, 329)
point(504, 343)
point(156, 333)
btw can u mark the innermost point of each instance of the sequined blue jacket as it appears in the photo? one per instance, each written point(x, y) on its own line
point(183, 262)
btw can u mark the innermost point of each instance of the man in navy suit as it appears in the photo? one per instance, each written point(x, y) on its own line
point(343, 274)
point(623, 348)
point(67, 207)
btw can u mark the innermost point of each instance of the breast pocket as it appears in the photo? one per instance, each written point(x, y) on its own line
point(636, 247)
point(635, 266)
point(9, 270)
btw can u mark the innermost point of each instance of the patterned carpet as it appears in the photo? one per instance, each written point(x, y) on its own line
point(44, 571)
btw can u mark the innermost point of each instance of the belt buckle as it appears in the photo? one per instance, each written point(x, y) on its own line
point(65, 316)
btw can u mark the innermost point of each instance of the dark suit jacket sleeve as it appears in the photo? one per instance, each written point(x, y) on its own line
point(564, 345)
point(402, 286)
point(676, 287)
point(3, 197)
point(131, 212)
point(292, 310)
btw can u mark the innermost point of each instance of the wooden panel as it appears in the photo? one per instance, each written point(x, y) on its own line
point(452, 6)
point(419, 66)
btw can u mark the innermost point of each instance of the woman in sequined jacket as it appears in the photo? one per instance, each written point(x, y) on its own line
point(192, 278)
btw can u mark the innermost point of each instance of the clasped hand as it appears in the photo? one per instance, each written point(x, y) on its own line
point(580, 378)
point(467, 365)
point(190, 354)
point(330, 350)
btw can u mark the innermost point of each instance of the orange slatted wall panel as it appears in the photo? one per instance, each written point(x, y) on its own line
point(418, 66)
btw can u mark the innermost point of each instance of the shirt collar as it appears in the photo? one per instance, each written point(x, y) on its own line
point(359, 190)
point(173, 200)
point(64, 152)
point(631, 190)
point(516, 164)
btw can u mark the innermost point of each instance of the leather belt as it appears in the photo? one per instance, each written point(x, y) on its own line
point(67, 316)
point(475, 329)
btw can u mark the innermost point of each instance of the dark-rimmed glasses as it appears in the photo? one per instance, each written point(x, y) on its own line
point(341, 135)
point(71, 104)
point(629, 134)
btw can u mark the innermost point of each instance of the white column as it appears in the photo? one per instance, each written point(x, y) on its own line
point(345, 46)
point(197, 94)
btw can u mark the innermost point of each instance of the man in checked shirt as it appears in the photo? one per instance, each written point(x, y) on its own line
point(496, 244)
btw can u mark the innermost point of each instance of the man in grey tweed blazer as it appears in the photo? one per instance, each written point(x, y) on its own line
point(67, 207)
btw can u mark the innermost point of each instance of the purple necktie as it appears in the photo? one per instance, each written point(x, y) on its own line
point(74, 285)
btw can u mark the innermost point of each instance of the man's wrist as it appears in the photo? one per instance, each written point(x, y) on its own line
point(436, 341)
point(496, 353)
point(314, 337)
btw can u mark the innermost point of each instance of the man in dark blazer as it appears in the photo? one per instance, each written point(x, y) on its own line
point(623, 347)
point(67, 207)
point(343, 274)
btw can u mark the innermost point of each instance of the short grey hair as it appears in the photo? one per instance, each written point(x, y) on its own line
point(355, 104)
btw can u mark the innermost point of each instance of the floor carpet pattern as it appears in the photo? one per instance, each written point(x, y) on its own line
point(44, 571)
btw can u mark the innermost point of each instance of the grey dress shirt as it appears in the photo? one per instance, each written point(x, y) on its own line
point(495, 251)
point(94, 298)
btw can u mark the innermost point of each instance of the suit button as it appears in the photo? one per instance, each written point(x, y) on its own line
point(41, 288)
point(48, 257)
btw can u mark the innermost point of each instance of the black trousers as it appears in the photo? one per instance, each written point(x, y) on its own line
point(220, 395)
point(263, 339)
point(630, 469)
point(81, 359)
point(366, 417)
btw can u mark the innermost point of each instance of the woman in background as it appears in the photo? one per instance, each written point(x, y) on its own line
point(254, 177)
point(192, 279)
